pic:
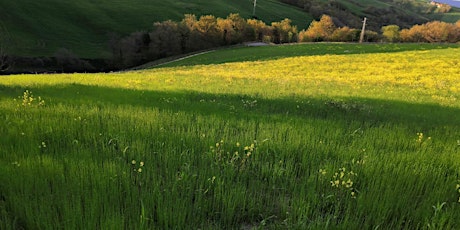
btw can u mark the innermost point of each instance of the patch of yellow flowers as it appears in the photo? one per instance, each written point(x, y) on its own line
point(343, 180)
point(28, 99)
point(421, 139)
point(139, 168)
point(236, 156)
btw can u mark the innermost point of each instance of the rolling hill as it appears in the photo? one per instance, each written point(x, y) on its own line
point(84, 27)
point(378, 12)
point(39, 28)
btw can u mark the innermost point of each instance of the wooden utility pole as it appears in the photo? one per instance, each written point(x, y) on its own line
point(254, 9)
point(363, 31)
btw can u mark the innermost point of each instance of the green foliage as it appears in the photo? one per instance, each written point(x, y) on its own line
point(284, 32)
point(391, 33)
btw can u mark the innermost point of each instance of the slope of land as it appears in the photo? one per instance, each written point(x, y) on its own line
point(264, 53)
point(361, 140)
point(40, 28)
point(84, 27)
point(378, 12)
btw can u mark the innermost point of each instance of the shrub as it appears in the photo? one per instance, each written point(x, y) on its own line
point(345, 34)
point(391, 33)
point(284, 32)
point(67, 61)
point(321, 30)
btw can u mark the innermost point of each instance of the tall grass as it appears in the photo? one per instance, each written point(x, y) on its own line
point(306, 142)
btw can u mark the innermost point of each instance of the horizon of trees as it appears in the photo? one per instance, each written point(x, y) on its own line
point(192, 34)
point(170, 38)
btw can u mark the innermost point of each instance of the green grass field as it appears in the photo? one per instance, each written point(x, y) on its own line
point(83, 26)
point(452, 17)
point(309, 141)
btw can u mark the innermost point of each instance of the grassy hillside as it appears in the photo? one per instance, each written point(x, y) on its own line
point(366, 140)
point(452, 16)
point(83, 26)
point(265, 53)
point(378, 12)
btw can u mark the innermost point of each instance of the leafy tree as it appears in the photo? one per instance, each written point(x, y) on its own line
point(166, 39)
point(432, 32)
point(204, 32)
point(207, 24)
point(441, 32)
point(191, 37)
point(133, 50)
point(345, 34)
point(371, 36)
point(260, 30)
point(391, 33)
point(321, 30)
point(284, 32)
point(414, 34)
point(233, 29)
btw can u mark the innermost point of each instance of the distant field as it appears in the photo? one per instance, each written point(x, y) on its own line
point(319, 140)
point(41, 27)
point(265, 53)
point(452, 17)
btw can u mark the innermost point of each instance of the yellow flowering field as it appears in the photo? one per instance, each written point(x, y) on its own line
point(341, 140)
point(418, 76)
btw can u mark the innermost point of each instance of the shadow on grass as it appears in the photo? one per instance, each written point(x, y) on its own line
point(229, 106)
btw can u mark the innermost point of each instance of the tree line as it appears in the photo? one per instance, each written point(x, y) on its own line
point(403, 13)
point(430, 32)
point(170, 38)
point(192, 34)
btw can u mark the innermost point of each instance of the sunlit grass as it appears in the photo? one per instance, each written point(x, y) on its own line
point(331, 141)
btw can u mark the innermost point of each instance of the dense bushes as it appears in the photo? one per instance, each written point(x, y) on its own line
point(170, 38)
point(432, 32)
point(326, 30)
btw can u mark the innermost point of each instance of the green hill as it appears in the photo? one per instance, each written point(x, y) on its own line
point(404, 13)
point(39, 28)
